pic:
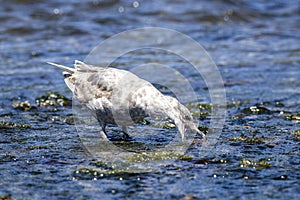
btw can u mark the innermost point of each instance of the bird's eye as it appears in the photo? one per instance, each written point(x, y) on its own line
point(66, 74)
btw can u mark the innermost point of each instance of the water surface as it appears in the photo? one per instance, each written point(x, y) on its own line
point(255, 44)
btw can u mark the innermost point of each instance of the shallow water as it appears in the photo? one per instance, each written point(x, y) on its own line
point(255, 44)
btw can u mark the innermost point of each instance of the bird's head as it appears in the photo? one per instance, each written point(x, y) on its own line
point(68, 74)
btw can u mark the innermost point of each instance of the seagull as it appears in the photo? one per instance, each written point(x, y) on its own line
point(120, 97)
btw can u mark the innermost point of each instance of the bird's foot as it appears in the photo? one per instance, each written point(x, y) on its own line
point(104, 137)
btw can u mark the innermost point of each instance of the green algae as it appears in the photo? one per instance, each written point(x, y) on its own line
point(96, 173)
point(156, 156)
point(200, 106)
point(11, 125)
point(144, 122)
point(293, 117)
point(203, 106)
point(296, 134)
point(168, 126)
point(256, 110)
point(53, 99)
point(259, 165)
point(248, 140)
point(6, 197)
point(70, 120)
point(104, 165)
point(200, 110)
point(102, 168)
point(25, 105)
point(237, 103)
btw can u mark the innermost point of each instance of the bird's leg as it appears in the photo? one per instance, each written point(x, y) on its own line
point(102, 132)
point(124, 130)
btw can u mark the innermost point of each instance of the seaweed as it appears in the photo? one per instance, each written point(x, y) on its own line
point(11, 125)
point(248, 140)
point(256, 110)
point(25, 105)
point(201, 110)
point(53, 99)
point(96, 173)
point(296, 135)
point(259, 165)
point(6, 197)
point(293, 117)
point(146, 157)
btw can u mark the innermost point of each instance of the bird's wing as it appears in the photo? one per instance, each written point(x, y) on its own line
point(96, 82)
